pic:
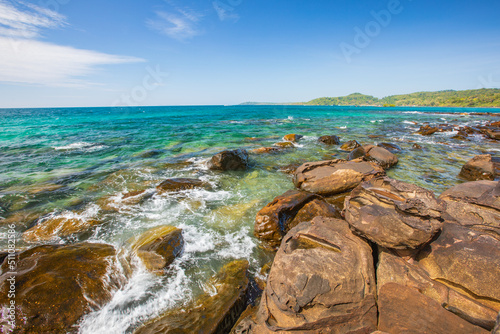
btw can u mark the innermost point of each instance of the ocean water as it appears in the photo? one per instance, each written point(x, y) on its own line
point(64, 162)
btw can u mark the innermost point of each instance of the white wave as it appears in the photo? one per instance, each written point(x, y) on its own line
point(84, 146)
point(408, 122)
point(412, 112)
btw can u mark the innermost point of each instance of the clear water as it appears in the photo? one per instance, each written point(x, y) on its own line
point(61, 162)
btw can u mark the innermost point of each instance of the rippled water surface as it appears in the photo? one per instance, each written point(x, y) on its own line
point(66, 162)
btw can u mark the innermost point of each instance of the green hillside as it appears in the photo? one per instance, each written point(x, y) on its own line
point(448, 98)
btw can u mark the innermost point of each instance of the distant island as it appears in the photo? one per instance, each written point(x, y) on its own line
point(447, 98)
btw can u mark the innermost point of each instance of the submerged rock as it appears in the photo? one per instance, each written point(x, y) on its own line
point(334, 176)
point(405, 310)
point(292, 137)
point(285, 212)
point(474, 204)
point(427, 130)
point(285, 144)
point(229, 160)
point(322, 281)
point(394, 214)
point(266, 150)
point(57, 285)
point(480, 167)
point(329, 140)
point(210, 313)
point(120, 201)
point(158, 247)
point(390, 147)
point(350, 145)
point(54, 227)
point(179, 184)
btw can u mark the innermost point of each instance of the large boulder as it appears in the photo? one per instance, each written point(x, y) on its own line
point(405, 310)
point(394, 214)
point(322, 281)
point(229, 160)
point(329, 140)
point(480, 167)
point(56, 285)
point(334, 176)
point(377, 154)
point(179, 184)
point(52, 228)
point(474, 204)
point(210, 313)
point(285, 212)
point(467, 260)
point(158, 247)
point(394, 269)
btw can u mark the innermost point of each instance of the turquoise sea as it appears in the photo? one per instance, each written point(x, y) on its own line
point(65, 162)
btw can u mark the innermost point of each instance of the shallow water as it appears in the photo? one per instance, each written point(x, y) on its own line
point(63, 162)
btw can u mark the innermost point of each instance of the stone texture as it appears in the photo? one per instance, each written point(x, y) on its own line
point(266, 150)
point(285, 212)
point(394, 214)
point(179, 184)
point(57, 285)
point(55, 227)
point(350, 145)
point(480, 167)
point(285, 144)
point(334, 176)
point(329, 140)
point(466, 260)
point(427, 130)
point(390, 147)
point(292, 137)
point(405, 310)
point(209, 313)
point(379, 155)
point(229, 160)
point(322, 281)
point(158, 247)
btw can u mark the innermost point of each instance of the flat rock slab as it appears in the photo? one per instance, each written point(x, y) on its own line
point(394, 214)
point(334, 176)
point(405, 310)
point(474, 204)
point(322, 281)
point(466, 260)
point(53, 228)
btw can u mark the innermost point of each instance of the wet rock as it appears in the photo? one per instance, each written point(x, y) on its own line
point(379, 155)
point(115, 203)
point(292, 137)
point(286, 144)
point(360, 152)
point(350, 145)
point(329, 140)
point(285, 212)
point(466, 260)
point(416, 147)
point(480, 167)
point(21, 218)
point(427, 130)
point(334, 176)
point(492, 133)
point(405, 310)
point(229, 160)
point(461, 135)
point(474, 204)
point(338, 200)
point(394, 214)
point(394, 269)
point(209, 313)
point(158, 247)
point(496, 330)
point(322, 281)
point(53, 227)
point(179, 184)
point(266, 150)
point(290, 169)
point(57, 285)
point(390, 147)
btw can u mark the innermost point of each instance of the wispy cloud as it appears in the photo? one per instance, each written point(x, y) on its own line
point(181, 25)
point(23, 59)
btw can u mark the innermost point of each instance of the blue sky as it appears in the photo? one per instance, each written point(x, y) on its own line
point(57, 53)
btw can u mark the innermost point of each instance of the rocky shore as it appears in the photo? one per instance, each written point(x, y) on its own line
point(355, 252)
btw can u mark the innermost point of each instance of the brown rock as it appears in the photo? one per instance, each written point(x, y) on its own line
point(322, 281)
point(285, 212)
point(480, 167)
point(292, 137)
point(329, 140)
point(390, 147)
point(266, 150)
point(179, 184)
point(115, 203)
point(492, 133)
point(57, 285)
point(334, 176)
point(474, 204)
point(360, 152)
point(394, 269)
point(350, 145)
point(290, 169)
point(416, 147)
point(229, 160)
point(466, 260)
point(379, 155)
point(496, 330)
point(54, 227)
point(286, 144)
point(394, 214)
point(427, 130)
point(405, 310)
point(158, 247)
point(209, 313)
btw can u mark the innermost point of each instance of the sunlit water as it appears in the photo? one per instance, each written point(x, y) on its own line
point(62, 162)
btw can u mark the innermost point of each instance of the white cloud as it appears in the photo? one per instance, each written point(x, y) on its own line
point(26, 60)
point(181, 25)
